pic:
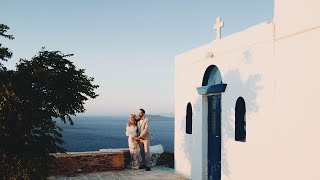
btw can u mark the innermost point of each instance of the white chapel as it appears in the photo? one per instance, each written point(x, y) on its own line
point(247, 106)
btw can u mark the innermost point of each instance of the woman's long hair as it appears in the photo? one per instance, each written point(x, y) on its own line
point(130, 123)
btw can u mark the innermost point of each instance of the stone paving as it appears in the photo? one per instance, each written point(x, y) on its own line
point(158, 172)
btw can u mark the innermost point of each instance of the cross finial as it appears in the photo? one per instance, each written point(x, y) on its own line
point(219, 24)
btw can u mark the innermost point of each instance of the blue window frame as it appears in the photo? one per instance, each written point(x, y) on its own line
point(240, 120)
point(189, 119)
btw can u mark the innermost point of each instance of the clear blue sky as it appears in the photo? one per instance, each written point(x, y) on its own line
point(128, 46)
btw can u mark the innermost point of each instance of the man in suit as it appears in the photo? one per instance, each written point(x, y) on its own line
point(144, 139)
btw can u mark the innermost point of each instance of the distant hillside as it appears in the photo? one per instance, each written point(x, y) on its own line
point(159, 118)
point(121, 117)
point(170, 115)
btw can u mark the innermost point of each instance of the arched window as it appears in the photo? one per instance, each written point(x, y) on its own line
point(211, 76)
point(189, 119)
point(240, 123)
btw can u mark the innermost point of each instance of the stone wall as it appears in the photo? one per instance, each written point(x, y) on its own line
point(85, 162)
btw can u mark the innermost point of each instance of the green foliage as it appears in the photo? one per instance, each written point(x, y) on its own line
point(32, 97)
point(5, 53)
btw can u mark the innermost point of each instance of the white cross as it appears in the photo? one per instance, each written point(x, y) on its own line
point(219, 24)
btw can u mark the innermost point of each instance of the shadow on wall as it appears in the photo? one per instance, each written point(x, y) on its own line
point(247, 89)
point(189, 142)
point(247, 57)
point(186, 143)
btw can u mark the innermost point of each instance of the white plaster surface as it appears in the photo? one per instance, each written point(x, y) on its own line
point(296, 16)
point(277, 74)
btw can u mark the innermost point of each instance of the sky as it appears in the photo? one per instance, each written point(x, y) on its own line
point(128, 46)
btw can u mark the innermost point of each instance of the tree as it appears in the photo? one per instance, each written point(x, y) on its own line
point(5, 53)
point(32, 97)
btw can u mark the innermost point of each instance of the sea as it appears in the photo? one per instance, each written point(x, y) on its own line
point(91, 133)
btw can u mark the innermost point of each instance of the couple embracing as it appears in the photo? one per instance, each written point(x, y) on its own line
point(139, 137)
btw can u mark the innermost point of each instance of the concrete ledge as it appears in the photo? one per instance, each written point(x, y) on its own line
point(71, 163)
point(85, 162)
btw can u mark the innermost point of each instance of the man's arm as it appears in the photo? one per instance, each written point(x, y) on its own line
point(145, 130)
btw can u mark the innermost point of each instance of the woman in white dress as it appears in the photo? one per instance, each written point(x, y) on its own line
point(131, 132)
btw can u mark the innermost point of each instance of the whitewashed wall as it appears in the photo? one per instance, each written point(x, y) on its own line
point(296, 16)
point(275, 68)
point(244, 59)
point(297, 100)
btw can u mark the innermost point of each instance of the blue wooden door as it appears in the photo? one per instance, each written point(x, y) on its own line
point(214, 137)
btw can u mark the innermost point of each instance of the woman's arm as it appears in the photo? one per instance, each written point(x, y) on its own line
point(127, 130)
